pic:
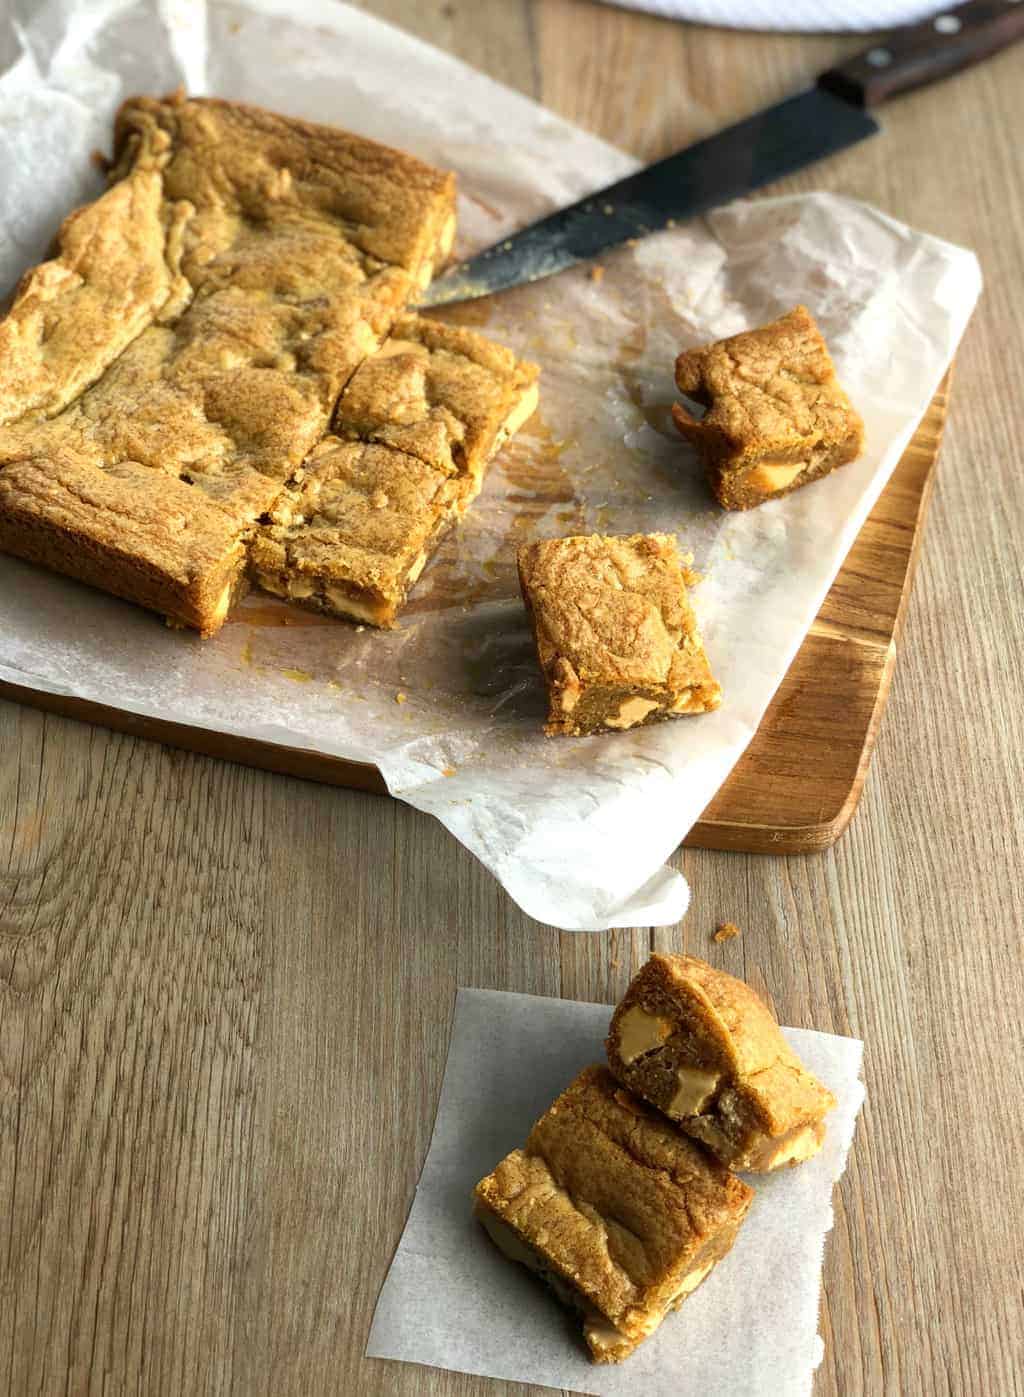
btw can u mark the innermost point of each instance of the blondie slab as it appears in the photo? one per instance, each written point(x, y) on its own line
point(290, 249)
point(616, 637)
point(136, 532)
point(707, 1051)
point(615, 1209)
point(776, 417)
point(415, 428)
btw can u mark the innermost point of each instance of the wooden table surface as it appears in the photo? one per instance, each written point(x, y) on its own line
point(225, 996)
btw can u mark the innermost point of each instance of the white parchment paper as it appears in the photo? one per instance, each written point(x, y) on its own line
point(577, 831)
point(453, 1301)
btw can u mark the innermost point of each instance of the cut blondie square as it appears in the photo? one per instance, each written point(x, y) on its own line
point(355, 535)
point(621, 1214)
point(415, 427)
point(616, 636)
point(776, 417)
point(707, 1051)
point(443, 394)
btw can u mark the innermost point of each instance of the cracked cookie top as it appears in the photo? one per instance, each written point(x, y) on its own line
point(770, 389)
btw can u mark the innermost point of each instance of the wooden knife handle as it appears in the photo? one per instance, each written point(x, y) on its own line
point(922, 53)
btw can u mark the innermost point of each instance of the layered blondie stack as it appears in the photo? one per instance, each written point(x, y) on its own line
point(623, 1198)
point(188, 390)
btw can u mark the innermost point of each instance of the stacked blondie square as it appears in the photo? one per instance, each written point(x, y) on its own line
point(214, 381)
point(623, 1198)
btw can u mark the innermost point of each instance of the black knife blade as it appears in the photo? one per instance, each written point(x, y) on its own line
point(737, 160)
point(778, 141)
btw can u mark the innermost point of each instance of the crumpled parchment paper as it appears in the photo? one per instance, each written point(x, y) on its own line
point(452, 1300)
point(576, 830)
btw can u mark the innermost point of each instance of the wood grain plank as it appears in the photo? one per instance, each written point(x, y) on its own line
point(216, 985)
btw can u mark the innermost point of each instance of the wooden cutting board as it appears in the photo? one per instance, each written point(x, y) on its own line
point(798, 782)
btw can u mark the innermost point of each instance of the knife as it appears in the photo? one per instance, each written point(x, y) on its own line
point(828, 117)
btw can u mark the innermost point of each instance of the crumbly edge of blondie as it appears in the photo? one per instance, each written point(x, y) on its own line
point(704, 1049)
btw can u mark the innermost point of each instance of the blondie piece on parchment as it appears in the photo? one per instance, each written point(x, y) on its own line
point(616, 636)
point(414, 431)
point(775, 415)
point(195, 331)
point(619, 1212)
point(707, 1051)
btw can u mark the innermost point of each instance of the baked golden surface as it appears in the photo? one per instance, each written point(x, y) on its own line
point(616, 636)
point(199, 323)
point(705, 1049)
point(620, 1212)
point(416, 427)
point(777, 417)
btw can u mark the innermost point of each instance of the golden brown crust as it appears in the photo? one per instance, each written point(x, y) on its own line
point(116, 269)
point(420, 419)
point(616, 635)
point(236, 162)
point(353, 537)
point(777, 417)
point(619, 1206)
point(441, 393)
point(217, 300)
point(136, 532)
point(703, 1047)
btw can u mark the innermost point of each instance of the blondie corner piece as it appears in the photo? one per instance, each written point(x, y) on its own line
point(616, 636)
point(415, 427)
point(776, 417)
point(136, 532)
point(707, 1051)
point(615, 1209)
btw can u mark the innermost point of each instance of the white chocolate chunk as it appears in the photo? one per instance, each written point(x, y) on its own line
point(631, 711)
point(803, 1145)
point(694, 1090)
point(522, 412)
point(390, 348)
point(641, 1032)
point(771, 476)
point(510, 1244)
point(691, 1282)
point(220, 611)
point(351, 606)
point(300, 587)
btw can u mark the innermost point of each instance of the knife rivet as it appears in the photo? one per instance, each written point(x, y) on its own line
point(948, 24)
point(879, 58)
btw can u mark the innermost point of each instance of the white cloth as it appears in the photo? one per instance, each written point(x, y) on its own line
point(797, 16)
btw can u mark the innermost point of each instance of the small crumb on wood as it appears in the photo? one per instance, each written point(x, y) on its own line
point(400, 697)
point(726, 931)
point(360, 629)
point(597, 272)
